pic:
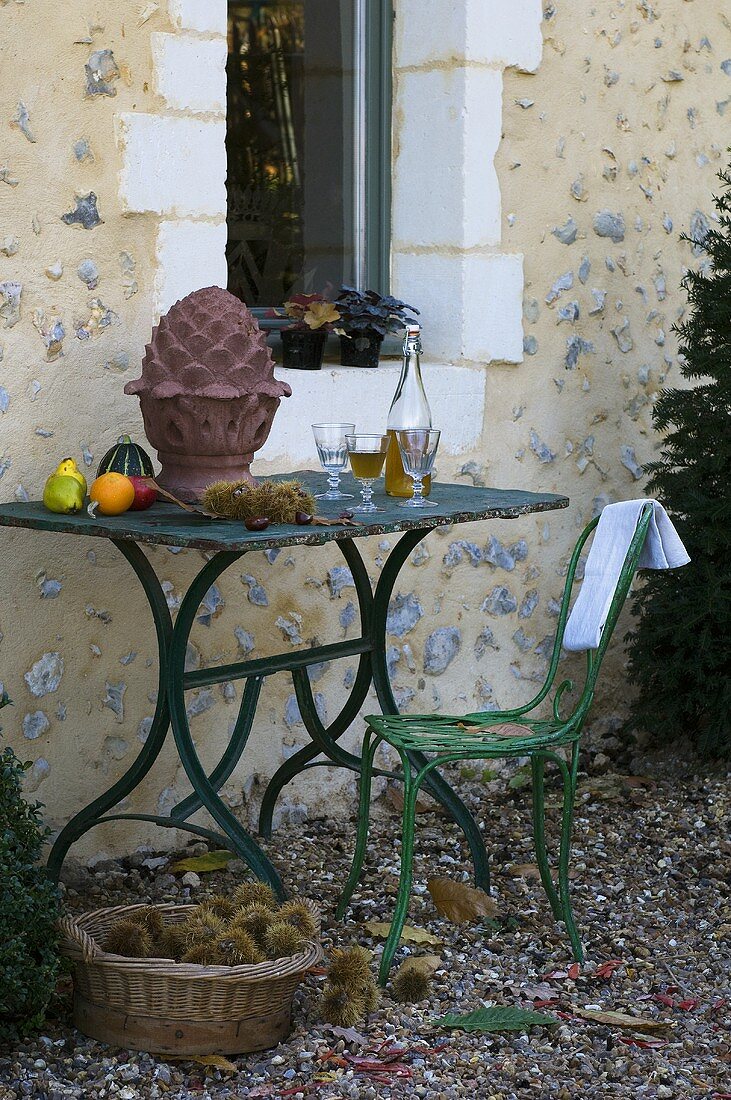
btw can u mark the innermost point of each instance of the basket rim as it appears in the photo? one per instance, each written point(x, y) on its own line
point(269, 968)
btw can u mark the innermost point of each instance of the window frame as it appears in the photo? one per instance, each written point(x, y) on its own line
point(375, 22)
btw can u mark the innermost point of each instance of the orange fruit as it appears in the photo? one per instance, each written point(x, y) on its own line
point(114, 494)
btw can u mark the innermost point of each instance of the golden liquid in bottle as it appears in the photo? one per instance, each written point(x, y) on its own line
point(366, 464)
point(398, 483)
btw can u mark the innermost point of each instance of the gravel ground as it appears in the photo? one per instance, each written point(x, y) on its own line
point(651, 891)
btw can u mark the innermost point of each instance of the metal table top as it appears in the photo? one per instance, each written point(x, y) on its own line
point(169, 525)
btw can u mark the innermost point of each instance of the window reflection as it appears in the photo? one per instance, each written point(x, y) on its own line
point(291, 142)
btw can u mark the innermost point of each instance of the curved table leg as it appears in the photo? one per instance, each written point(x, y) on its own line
point(238, 840)
point(234, 749)
point(92, 814)
point(434, 782)
point(323, 740)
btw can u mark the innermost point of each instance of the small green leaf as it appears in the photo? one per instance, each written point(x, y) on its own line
point(522, 778)
point(211, 861)
point(497, 1018)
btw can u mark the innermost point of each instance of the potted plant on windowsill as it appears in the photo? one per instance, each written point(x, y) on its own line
point(366, 318)
point(303, 341)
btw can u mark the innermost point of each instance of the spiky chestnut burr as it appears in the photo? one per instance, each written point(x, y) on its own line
point(299, 916)
point(282, 940)
point(279, 501)
point(128, 938)
point(204, 954)
point(341, 1007)
point(170, 944)
point(201, 925)
point(371, 995)
point(350, 967)
point(254, 893)
point(237, 948)
point(255, 920)
point(150, 918)
point(410, 985)
point(219, 904)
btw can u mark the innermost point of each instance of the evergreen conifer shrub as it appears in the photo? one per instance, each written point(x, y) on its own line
point(681, 647)
point(29, 962)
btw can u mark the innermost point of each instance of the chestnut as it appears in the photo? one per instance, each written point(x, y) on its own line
point(257, 523)
point(302, 518)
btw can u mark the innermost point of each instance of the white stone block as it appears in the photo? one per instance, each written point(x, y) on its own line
point(471, 304)
point(428, 169)
point(172, 166)
point(483, 115)
point(445, 190)
point(204, 16)
point(493, 308)
point(429, 30)
point(501, 33)
point(190, 72)
point(505, 33)
point(456, 395)
point(434, 284)
point(189, 255)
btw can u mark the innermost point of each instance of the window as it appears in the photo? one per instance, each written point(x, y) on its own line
point(308, 145)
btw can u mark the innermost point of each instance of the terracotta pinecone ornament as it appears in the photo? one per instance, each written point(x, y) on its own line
point(208, 393)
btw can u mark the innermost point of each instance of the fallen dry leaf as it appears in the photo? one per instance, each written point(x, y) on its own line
point(646, 1044)
point(606, 969)
point(458, 902)
point(350, 1034)
point(527, 871)
point(538, 992)
point(499, 729)
point(213, 1061)
point(424, 804)
point(638, 781)
point(620, 1019)
point(211, 861)
point(423, 964)
point(380, 930)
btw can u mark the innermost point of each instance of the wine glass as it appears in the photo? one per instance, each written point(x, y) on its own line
point(418, 447)
point(367, 455)
point(333, 452)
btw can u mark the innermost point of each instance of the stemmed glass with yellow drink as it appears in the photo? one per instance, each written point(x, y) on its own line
point(367, 454)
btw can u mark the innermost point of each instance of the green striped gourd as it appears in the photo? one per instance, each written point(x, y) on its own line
point(127, 458)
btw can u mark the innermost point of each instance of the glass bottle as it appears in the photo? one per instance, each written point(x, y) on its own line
point(409, 409)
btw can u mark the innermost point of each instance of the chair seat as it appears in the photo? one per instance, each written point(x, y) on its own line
point(495, 734)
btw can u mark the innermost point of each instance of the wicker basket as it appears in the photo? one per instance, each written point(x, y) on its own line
point(168, 1007)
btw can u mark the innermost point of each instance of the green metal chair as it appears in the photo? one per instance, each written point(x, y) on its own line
point(447, 739)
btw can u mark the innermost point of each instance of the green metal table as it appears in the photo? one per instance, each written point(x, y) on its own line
point(227, 541)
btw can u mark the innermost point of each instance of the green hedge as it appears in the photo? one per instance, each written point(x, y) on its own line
point(29, 907)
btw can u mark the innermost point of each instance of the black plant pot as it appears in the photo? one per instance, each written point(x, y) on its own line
point(302, 349)
point(362, 349)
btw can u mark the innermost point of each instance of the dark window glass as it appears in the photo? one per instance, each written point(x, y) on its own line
point(296, 147)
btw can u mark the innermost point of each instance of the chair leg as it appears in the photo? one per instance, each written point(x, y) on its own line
point(364, 812)
point(538, 765)
point(411, 790)
point(569, 791)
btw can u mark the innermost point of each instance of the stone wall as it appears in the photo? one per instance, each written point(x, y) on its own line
point(112, 205)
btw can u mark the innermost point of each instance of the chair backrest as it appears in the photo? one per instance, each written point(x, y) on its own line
point(594, 657)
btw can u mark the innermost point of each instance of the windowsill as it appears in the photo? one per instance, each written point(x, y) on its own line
point(390, 350)
point(363, 395)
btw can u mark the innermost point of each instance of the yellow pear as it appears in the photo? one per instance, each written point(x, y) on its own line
point(68, 468)
point(63, 494)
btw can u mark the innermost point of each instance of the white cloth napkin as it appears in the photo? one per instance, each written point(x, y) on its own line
point(617, 523)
